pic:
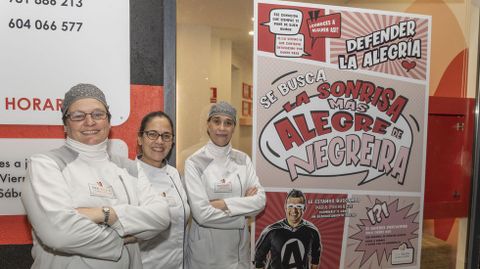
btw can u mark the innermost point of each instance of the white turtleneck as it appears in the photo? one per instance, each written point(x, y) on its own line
point(219, 153)
point(93, 152)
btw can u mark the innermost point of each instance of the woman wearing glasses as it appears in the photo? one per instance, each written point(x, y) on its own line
point(87, 207)
point(223, 190)
point(155, 142)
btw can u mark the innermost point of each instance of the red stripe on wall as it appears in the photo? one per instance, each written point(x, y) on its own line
point(15, 230)
point(143, 99)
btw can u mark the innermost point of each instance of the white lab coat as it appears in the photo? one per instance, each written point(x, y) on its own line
point(78, 175)
point(165, 251)
point(220, 239)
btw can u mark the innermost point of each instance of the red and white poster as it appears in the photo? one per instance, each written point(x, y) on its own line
point(340, 105)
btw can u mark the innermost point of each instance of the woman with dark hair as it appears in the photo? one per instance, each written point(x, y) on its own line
point(155, 141)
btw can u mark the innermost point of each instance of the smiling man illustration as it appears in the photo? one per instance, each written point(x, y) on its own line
point(291, 242)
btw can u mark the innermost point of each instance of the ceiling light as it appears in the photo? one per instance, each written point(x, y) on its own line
point(250, 33)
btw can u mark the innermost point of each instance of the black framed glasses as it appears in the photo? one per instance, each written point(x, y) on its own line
point(153, 135)
point(80, 115)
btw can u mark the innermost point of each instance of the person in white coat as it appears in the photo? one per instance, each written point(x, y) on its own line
point(223, 190)
point(155, 141)
point(88, 208)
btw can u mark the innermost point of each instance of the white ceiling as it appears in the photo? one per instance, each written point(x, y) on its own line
point(229, 19)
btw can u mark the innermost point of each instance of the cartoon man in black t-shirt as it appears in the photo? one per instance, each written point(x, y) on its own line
point(293, 242)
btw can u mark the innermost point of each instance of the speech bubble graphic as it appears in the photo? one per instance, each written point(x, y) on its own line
point(395, 231)
point(325, 26)
point(290, 46)
point(284, 21)
point(315, 140)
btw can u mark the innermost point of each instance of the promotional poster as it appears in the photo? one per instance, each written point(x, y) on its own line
point(341, 102)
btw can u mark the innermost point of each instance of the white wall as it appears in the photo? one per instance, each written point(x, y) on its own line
point(193, 88)
point(205, 61)
point(243, 71)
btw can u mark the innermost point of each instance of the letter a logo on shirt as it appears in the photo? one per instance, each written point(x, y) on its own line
point(293, 252)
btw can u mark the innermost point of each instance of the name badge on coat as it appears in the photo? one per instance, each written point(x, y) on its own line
point(100, 190)
point(223, 186)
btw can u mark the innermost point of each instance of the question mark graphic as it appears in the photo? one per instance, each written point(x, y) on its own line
point(377, 210)
point(374, 214)
point(371, 216)
point(385, 211)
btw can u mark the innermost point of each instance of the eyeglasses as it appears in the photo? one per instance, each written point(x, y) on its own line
point(80, 115)
point(296, 206)
point(153, 135)
point(217, 121)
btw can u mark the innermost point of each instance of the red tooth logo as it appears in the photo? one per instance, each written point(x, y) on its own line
point(408, 65)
